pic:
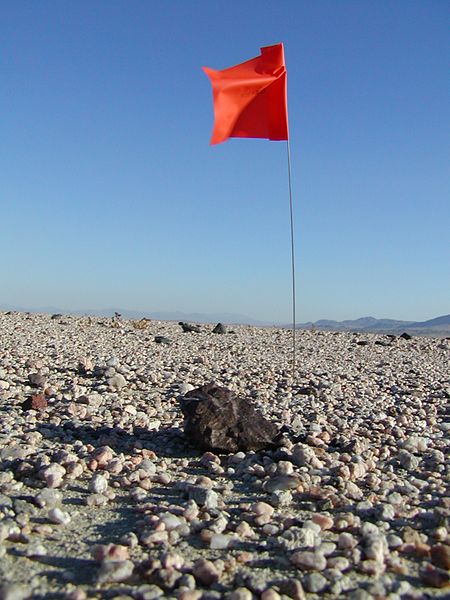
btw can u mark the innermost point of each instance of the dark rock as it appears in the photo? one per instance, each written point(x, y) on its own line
point(216, 419)
point(219, 328)
point(166, 579)
point(405, 336)
point(56, 316)
point(35, 402)
point(292, 588)
point(160, 339)
point(37, 380)
point(362, 343)
point(187, 328)
point(440, 556)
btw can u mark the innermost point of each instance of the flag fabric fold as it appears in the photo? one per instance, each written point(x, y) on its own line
point(250, 99)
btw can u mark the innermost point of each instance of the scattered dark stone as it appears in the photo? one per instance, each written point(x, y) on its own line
point(35, 402)
point(216, 419)
point(381, 343)
point(160, 339)
point(37, 380)
point(405, 336)
point(219, 328)
point(292, 588)
point(440, 556)
point(362, 343)
point(187, 328)
point(56, 316)
point(307, 390)
point(166, 579)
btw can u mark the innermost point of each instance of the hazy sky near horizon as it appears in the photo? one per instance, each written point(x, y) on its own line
point(111, 195)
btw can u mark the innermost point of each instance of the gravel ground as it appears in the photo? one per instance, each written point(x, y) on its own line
point(102, 497)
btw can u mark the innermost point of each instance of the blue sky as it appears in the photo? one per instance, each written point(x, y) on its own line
point(110, 194)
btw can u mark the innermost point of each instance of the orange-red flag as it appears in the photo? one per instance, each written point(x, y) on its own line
point(250, 99)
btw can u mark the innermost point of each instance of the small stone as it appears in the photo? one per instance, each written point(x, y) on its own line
point(116, 552)
point(327, 548)
point(96, 500)
point(102, 456)
point(241, 593)
point(323, 521)
point(56, 515)
point(375, 547)
point(190, 595)
point(302, 455)
point(113, 362)
point(85, 364)
point(205, 571)
point(35, 550)
point(188, 328)
point(220, 541)
point(170, 521)
point(161, 339)
point(48, 498)
point(52, 475)
point(148, 466)
point(440, 556)
point(76, 594)
point(315, 582)
point(35, 402)
point(262, 509)
point(292, 588)
point(270, 594)
point(117, 381)
point(184, 388)
point(346, 541)
point(296, 537)
point(98, 484)
point(203, 496)
point(338, 562)
point(360, 594)
point(281, 498)
point(149, 592)
point(13, 591)
point(394, 541)
point(172, 560)
point(115, 571)
point(219, 328)
point(37, 380)
point(309, 561)
point(281, 482)
point(408, 461)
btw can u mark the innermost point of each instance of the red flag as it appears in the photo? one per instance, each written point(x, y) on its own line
point(250, 99)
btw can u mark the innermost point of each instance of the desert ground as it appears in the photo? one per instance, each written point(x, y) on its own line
point(102, 495)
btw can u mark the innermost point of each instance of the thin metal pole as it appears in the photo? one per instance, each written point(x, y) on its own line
point(291, 211)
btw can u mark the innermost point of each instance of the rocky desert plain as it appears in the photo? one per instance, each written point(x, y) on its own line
point(102, 494)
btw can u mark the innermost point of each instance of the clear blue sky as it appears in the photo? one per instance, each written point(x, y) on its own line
point(111, 195)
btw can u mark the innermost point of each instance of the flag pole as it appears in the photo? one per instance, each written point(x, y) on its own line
point(291, 212)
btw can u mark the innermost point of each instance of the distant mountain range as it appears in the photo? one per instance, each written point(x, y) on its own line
point(438, 327)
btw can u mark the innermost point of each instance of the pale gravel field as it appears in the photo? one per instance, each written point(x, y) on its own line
point(101, 496)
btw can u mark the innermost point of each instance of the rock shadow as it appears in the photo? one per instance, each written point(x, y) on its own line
point(167, 442)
